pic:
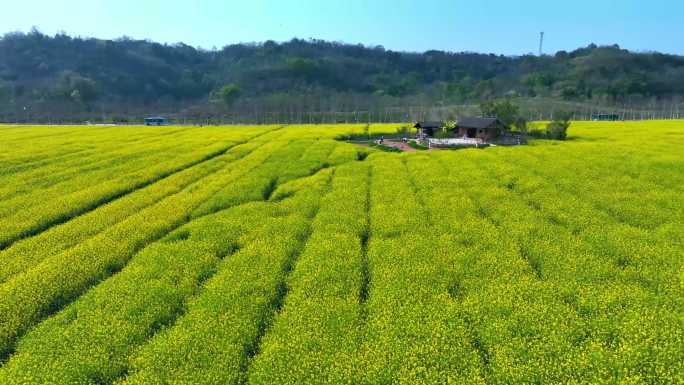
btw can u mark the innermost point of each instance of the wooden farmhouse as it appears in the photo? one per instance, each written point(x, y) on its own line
point(486, 129)
point(426, 129)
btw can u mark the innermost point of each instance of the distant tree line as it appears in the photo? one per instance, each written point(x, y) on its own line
point(63, 75)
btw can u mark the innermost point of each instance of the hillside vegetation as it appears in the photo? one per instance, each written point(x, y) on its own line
point(60, 75)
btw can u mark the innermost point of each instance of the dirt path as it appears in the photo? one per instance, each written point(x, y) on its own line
point(400, 145)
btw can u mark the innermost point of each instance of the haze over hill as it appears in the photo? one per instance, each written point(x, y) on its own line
point(61, 75)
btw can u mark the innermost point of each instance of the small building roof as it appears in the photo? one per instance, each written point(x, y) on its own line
point(428, 125)
point(155, 118)
point(477, 122)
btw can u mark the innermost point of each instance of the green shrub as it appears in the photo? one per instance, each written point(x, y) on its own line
point(537, 133)
point(416, 145)
point(557, 130)
point(382, 147)
point(443, 133)
point(450, 125)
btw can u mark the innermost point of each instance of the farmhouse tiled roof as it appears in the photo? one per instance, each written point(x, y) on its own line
point(476, 122)
point(428, 125)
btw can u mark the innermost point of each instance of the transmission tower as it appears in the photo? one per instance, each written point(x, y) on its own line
point(541, 43)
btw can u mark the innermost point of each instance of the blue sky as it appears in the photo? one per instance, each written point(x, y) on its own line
point(497, 26)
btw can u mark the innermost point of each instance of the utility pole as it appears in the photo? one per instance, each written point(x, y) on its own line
point(541, 43)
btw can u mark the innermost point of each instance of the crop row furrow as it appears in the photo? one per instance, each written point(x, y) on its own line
point(365, 239)
point(569, 266)
point(46, 151)
point(91, 339)
point(67, 177)
point(127, 168)
point(32, 221)
point(626, 198)
point(317, 335)
point(286, 164)
point(627, 246)
point(30, 296)
point(26, 253)
point(29, 222)
point(412, 333)
point(452, 215)
point(134, 164)
point(221, 329)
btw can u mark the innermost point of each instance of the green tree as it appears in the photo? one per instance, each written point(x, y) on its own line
point(76, 87)
point(443, 133)
point(521, 124)
point(450, 125)
point(228, 94)
point(302, 66)
point(507, 112)
point(558, 128)
point(484, 89)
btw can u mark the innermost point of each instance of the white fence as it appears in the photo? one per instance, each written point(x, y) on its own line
point(455, 142)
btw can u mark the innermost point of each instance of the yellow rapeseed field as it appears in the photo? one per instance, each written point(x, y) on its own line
point(283, 255)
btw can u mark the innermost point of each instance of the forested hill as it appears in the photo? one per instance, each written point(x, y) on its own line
point(64, 73)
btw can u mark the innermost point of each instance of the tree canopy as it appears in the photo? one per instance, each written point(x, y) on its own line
point(64, 71)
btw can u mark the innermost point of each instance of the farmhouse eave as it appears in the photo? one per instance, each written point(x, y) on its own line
point(478, 123)
point(428, 125)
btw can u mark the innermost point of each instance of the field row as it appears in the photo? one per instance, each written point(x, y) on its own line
point(37, 281)
point(288, 258)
